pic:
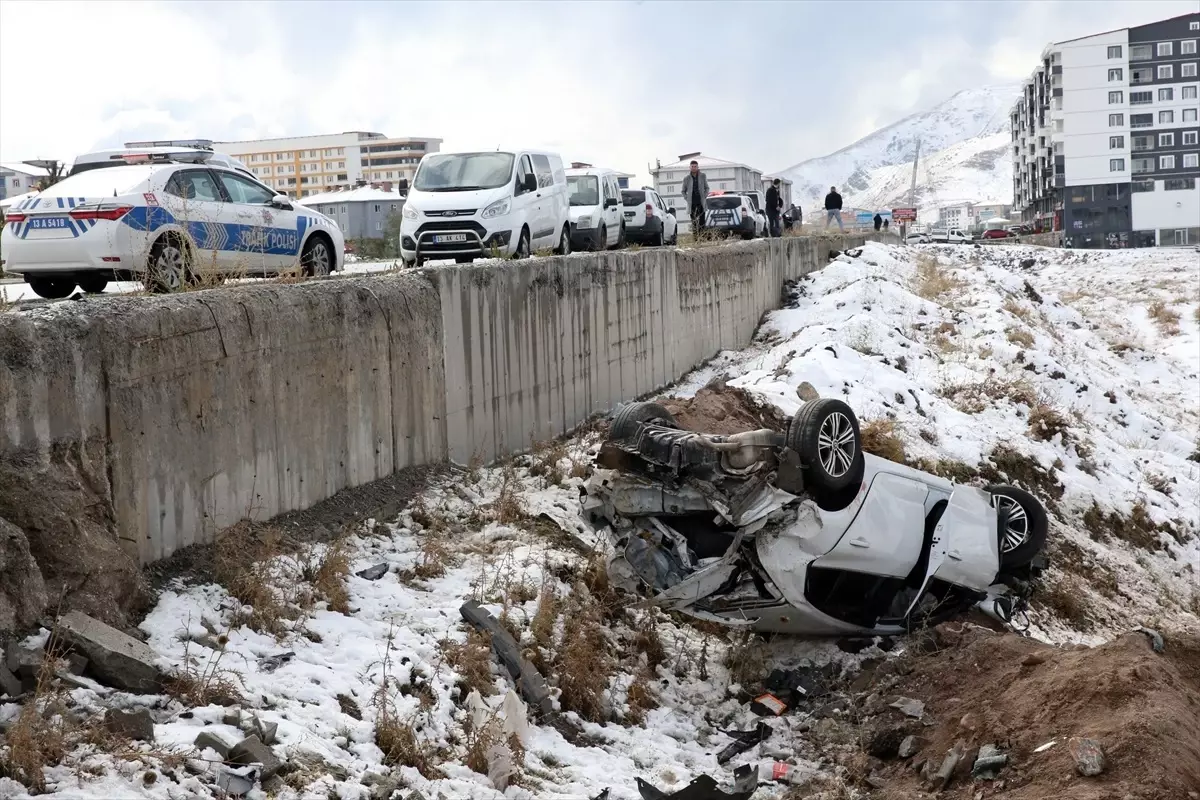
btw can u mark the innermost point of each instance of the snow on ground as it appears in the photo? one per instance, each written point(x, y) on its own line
point(1086, 363)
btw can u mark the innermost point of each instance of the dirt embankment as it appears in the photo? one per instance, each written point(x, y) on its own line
point(982, 688)
point(723, 410)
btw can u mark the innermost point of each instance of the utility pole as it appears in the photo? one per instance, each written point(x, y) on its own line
point(912, 190)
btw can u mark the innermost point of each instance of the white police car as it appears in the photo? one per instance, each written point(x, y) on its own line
point(165, 216)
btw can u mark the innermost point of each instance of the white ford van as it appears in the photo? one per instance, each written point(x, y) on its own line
point(472, 205)
point(595, 208)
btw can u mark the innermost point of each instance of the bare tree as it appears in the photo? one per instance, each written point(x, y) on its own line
point(55, 171)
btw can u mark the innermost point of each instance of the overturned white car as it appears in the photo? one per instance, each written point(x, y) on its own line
point(802, 532)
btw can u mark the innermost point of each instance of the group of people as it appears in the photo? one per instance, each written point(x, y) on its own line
point(695, 189)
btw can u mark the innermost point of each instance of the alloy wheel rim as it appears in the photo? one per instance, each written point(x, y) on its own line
point(320, 260)
point(835, 444)
point(170, 267)
point(1016, 530)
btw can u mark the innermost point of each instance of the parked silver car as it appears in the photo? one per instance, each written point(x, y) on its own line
point(801, 532)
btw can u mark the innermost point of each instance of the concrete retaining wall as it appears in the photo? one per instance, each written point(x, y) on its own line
point(204, 408)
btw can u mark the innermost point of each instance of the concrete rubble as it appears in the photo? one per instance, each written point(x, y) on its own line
point(137, 725)
point(116, 659)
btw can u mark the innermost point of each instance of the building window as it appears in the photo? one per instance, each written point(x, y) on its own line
point(1114, 120)
point(1116, 97)
point(1165, 49)
point(1166, 71)
point(1188, 93)
point(1187, 48)
point(1143, 186)
point(1194, 26)
point(1189, 115)
point(1166, 117)
point(343, 209)
point(1189, 137)
point(1187, 70)
point(1114, 51)
point(1116, 74)
point(1140, 98)
point(1178, 184)
point(1114, 143)
point(1141, 52)
point(1191, 160)
point(1166, 95)
point(1143, 165)
point(1166, 162)
point(1116, 165)
point(1166, 140)
point(1143, 143)
point(1141, 120)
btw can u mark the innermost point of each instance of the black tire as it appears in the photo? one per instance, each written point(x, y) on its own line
point(93, 284)
point(658, 240)
point(522, 250)
point(675, 236)
point(463, 259)
point(316, 260)
point(621, 240)
point(826, 437)
point(169, 267)
point(1020, 545)
point(627, 419)
point(51, 289)
point(602, 242)
point(564, 242)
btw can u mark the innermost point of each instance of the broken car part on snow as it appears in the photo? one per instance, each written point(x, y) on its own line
point(801, 532)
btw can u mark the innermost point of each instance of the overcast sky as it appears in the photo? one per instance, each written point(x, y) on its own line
point(612, 83)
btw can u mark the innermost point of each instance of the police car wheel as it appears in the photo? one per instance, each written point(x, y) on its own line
point(93, 284)
point(168, 269)
point(51, 289)
point(315, 259)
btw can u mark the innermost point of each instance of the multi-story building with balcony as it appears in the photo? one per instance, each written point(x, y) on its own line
point(300, 166)
point(1105, 138)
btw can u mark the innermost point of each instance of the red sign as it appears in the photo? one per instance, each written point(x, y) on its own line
point(904, 215)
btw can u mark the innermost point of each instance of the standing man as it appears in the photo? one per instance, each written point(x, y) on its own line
point(833, 208)
point(774, 208)
point(695, 189)
point(878, 222)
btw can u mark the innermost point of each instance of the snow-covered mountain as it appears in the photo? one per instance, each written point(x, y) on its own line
point(964, 156)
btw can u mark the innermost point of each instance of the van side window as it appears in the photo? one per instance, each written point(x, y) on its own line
point(545, 175)
point(522, 170)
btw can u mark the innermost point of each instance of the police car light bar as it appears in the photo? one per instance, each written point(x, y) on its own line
point(197, 144)
point(186, 156)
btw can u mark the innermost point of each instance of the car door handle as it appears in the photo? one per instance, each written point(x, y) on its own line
point(859, 542)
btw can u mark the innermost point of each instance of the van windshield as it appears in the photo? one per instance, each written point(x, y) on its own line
point(458, 172)
point(584, 189)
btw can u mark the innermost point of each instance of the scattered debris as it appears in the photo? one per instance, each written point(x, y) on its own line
point(807, 392)
point(704, 787)
point(743, 741)
point(885, 741)
point(909, 707)
point(272, 663)
point(116, 659)
point(237, 781)
point(989, 762)
point(530, 683)
point(1033, 659)
point(136, 725)
point(373, 573)
point(208, 740)
point(945, 773)
point(910, 746)
point(1156, 639)
point(1088, 755)
point(251, 750)
point(1043, 748)
point(768, 705)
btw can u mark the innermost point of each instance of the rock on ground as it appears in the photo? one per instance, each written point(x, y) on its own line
point(22, 590)
point(116, 659)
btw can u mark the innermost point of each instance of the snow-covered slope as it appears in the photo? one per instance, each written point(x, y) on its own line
point(961, 139)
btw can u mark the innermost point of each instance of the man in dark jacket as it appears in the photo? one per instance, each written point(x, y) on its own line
point(792, 217)
point(774, 208)
point(878, 222)
point(695, 189)
point(833, 208)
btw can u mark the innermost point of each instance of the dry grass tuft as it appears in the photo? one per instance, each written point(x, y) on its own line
point(1066, 598)
point(1019, 337)
point(973, 398)
point(397, 737)
point(247, 561)
point(472, 660)
point(1046, 422)
point(327, 575)
point(932, 280)
point(546, 461)
point(947, 468)
point(1013, 306)
point(641, 698)
point(43, 733)
point(584, 664)
point(879, 439)
point(542, 627)
point(746, 659)
point(506, 508)
point(211, 684)
point(1006, 465)
point(1165, 317)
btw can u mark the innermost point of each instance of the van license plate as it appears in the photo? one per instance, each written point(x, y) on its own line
point(47, 223)
point(448, 238)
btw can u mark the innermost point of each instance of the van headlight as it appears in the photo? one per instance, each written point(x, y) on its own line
point(408, 212)
point(584, 222)
point(496, 209)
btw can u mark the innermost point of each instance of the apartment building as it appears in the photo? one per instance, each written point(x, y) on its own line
point(301, 166)
point(1105, 138)
point(18, 179)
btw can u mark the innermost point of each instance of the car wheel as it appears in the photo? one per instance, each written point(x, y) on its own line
point(93, 284)
point(51, 289)
point(316, 260)
point(1024, 534)
point(602, 241)
point(657, 241)
point(168, 269)
point(621, 238)
point(675, 236)
point(627, 419)
point(564, 242)
point(826, 437)
point(522, 250)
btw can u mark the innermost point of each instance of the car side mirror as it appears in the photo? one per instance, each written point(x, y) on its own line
point(610, 202)
point(281, 202)
point(530, 183)
point(671, 211)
